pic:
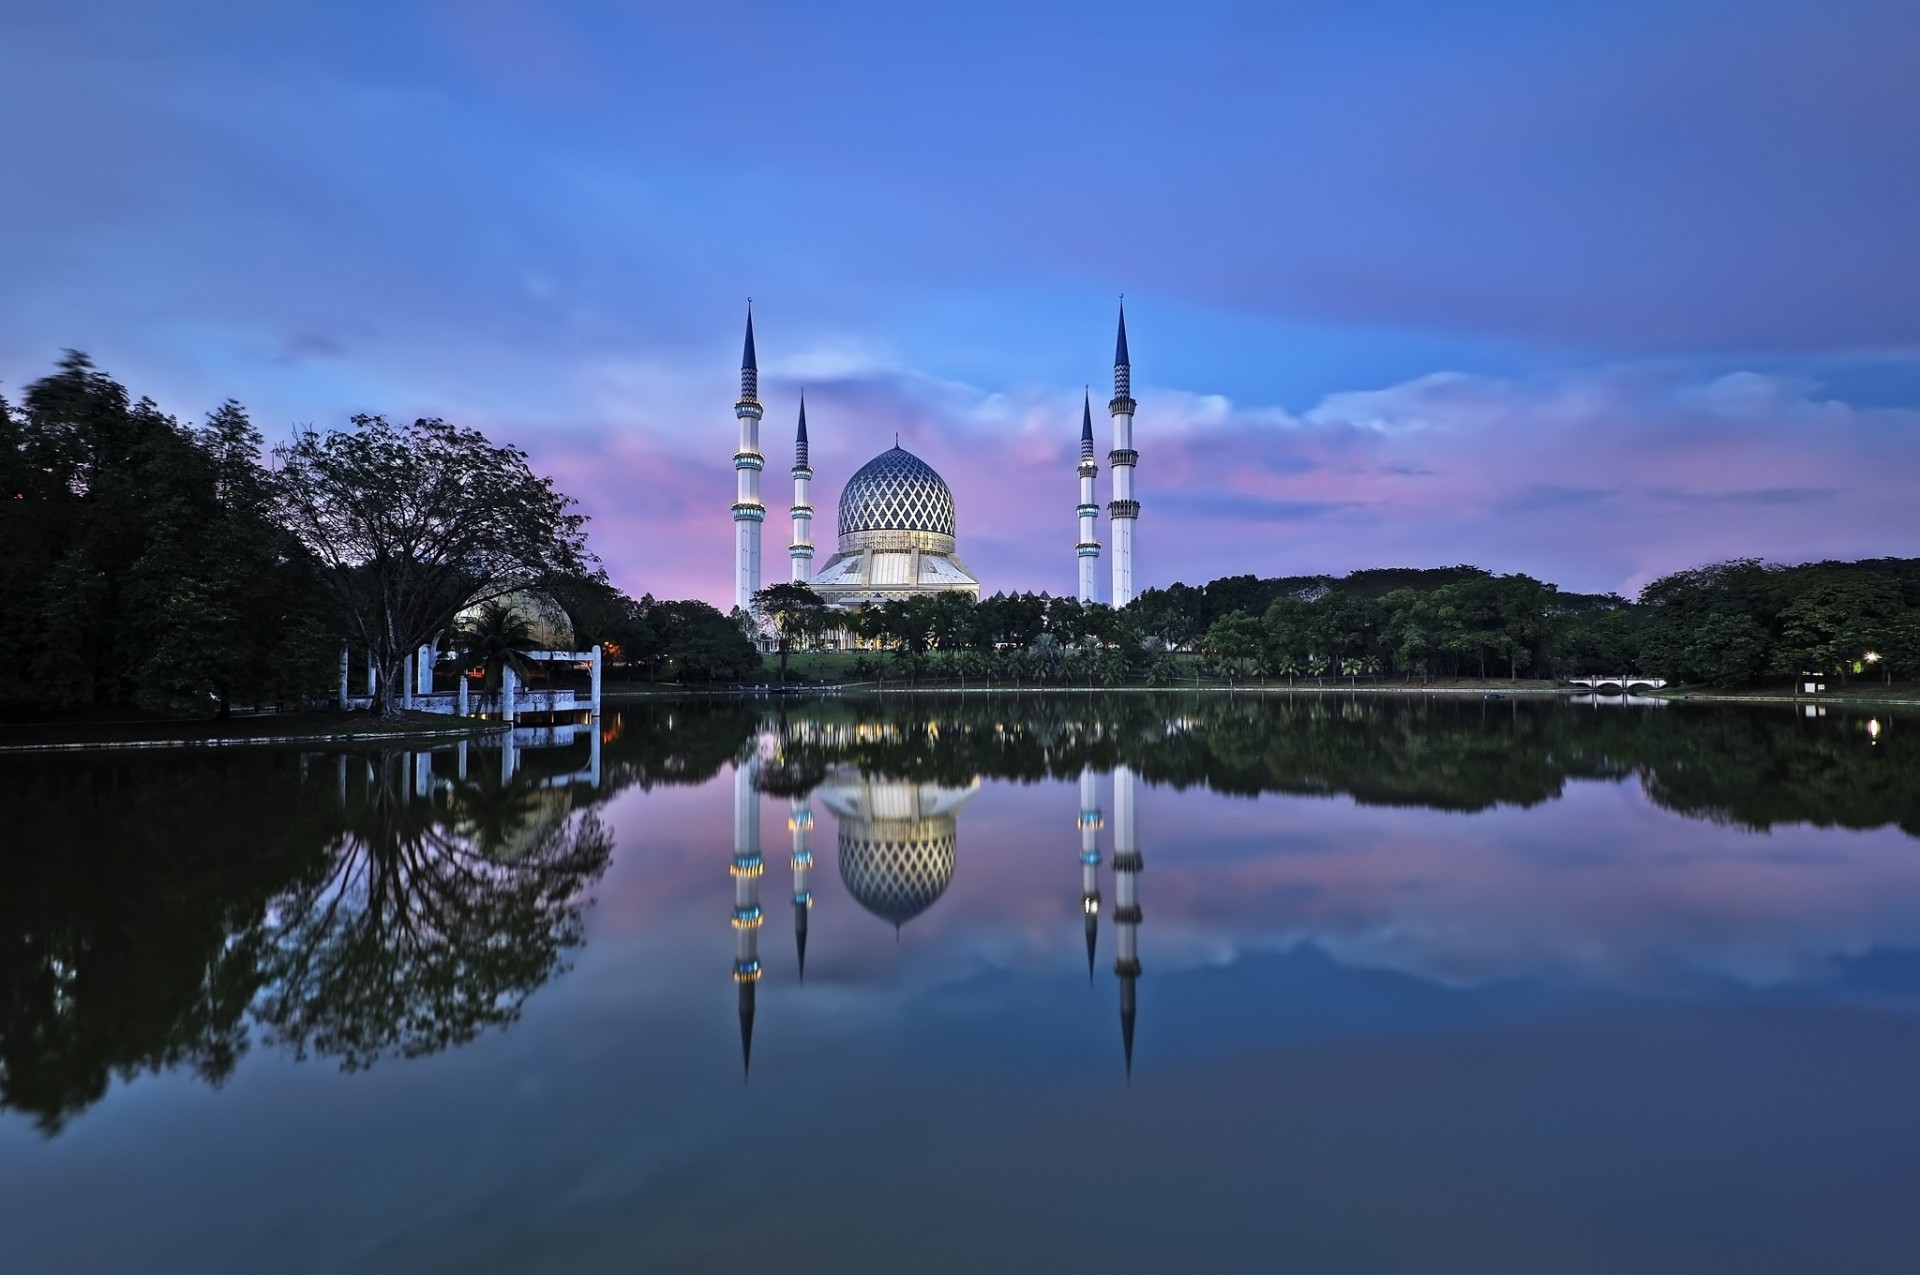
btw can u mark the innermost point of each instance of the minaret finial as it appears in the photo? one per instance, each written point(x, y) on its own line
point(748, 363)
point(1120, 358)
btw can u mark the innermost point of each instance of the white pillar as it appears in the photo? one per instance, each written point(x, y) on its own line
point(406, 683)
point(373, 676)
point(801, 550)
point(593, 754)
point(1088, 548)
point(460, 692)
point(509, 758)
point(426, 669)
point(509, 692)
point(599, 658)
point(748, 511)
point(460, 752)
point(343, 677)
point(1123, 510)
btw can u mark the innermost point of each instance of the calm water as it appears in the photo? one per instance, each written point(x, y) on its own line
point(1423, 986)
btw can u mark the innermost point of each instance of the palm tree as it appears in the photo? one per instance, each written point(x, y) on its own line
point(495, 637)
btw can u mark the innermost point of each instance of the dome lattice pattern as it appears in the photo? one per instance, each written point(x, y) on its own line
point(897, 877)
point(896, 491)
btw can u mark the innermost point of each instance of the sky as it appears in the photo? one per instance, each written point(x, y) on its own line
point(1594, 291)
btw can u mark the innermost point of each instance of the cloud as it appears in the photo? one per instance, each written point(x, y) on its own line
point(1598, 480)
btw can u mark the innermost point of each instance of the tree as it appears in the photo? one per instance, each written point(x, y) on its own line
point(494, 638)
point(413, 523)
point(1233, 644)
point(796, 613)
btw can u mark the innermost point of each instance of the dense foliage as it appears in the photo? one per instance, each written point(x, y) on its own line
point(1728, 625)
point(139, 561)
point(153, 566)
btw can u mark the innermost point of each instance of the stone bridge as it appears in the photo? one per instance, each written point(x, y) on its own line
point(1622, 682)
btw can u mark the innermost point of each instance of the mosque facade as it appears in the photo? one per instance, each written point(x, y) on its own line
point(898, 525)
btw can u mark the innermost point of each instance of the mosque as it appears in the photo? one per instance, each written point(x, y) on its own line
point(898, 529)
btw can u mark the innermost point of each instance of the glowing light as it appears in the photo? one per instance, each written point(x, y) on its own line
point(1873, 728)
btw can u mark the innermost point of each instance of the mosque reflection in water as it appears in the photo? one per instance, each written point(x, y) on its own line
point(897, 850)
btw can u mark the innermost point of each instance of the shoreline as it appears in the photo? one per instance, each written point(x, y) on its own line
point(476, 727)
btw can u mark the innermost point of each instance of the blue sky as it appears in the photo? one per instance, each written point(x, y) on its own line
point(1594, 291)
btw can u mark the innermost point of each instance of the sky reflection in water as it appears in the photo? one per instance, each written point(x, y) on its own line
point(1425, 986)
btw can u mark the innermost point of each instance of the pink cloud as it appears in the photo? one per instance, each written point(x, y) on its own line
point(1602, 479)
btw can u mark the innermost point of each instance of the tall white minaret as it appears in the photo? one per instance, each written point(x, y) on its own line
point(1123, 509)
point(748, 512)
point(1126, 902)
point(801, 823)
point(747, 867)
point(1088, 549)
point(801, 550)
point(1090, 859)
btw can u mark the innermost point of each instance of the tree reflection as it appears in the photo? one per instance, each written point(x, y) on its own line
point(427, 922)
point(132, 893)
point(152, 910)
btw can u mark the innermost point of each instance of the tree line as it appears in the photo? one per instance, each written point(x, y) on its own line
point(165, 567)
point(1730, 624)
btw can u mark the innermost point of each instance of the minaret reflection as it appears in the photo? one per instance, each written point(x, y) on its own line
point(747, 866)
point(1090, 859)
point(801, 824)
point(1126, 903)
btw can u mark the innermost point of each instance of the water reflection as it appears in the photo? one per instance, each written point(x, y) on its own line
point(165, 913)
point(160, 911)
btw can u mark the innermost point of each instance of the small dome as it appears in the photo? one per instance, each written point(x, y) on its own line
point(896, 491)
point(545, 618)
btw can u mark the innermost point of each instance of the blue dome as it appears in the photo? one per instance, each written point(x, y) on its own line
point(896, 491)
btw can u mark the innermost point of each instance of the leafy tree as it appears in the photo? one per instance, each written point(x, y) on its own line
point(1233, 645)
point(796, 613)
point(702, 644)
point(412, 523)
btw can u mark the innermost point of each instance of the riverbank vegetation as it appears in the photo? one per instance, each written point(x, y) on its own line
point(1732, 625)
point(154, 568)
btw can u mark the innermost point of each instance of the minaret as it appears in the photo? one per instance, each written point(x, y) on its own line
point(801, 822)
point(747, 866)
point(748, 512)
point(1088, 549)
point(801, 550)
point(1126, 902)
point(1090, 859)
point(1123, 509)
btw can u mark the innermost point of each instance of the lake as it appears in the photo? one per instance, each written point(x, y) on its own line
point(1064, 982)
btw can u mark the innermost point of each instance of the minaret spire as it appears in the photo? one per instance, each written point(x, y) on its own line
point(1088, 549)
point(1123, 509)
point(748, 512)
point(800, 552)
